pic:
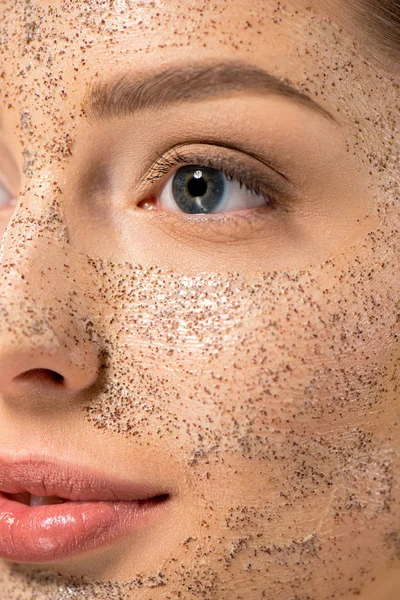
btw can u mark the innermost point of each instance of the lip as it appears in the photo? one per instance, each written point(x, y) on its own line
point(98, 510)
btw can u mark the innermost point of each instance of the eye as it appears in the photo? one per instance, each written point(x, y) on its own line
point(7, 200)
point(222, 182)
point(198, 189)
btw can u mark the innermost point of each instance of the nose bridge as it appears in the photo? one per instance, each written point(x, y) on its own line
point(37, 215)
point(43, 304)
point(34, 255)
point(36, 288)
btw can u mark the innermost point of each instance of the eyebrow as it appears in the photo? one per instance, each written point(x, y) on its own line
point(128, 94)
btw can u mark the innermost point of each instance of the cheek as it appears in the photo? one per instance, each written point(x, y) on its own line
point(253, 365)
point(276, 394)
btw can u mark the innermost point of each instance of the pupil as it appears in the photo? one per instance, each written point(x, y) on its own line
point(197, 187)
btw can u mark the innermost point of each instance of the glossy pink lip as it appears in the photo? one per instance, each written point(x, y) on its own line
point(98, 510)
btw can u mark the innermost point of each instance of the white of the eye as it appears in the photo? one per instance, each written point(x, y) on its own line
point(236, 198)
point(6, 199)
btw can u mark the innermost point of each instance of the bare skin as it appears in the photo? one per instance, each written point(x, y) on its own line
point(248, 360)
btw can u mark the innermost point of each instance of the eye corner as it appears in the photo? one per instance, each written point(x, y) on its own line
point(147, 204)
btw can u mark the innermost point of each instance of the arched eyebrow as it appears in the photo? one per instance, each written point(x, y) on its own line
point(128, 94)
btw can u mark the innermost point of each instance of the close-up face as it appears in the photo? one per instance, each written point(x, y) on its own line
point(199, 301)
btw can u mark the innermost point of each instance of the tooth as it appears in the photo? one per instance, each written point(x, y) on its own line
point(42, 500)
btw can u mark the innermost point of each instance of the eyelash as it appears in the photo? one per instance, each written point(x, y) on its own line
point(244, 176)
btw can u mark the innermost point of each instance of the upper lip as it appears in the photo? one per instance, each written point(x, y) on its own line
point(43, 477)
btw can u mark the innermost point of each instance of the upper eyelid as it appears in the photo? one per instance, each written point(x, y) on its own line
point(270, 163)
point(233, 156)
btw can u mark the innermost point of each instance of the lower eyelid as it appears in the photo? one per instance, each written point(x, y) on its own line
point(215, 227)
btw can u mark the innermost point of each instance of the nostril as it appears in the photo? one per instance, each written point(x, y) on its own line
point(40, 376)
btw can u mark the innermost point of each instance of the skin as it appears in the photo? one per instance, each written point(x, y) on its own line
point(252, 368)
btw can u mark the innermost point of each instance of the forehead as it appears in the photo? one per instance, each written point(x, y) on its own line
point(60, 45)
point(148, 25)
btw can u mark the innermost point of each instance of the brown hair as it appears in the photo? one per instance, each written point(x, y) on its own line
point(381, 21)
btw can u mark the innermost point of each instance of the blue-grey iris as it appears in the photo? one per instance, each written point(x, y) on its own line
point(198, 189)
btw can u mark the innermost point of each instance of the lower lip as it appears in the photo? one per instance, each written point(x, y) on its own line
point(53, 532)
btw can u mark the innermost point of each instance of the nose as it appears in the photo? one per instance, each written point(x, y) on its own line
point(47, 352)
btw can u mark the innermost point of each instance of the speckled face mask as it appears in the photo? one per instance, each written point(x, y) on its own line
point(199, 291)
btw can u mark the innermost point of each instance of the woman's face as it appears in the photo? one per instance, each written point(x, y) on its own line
point(226, 333)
